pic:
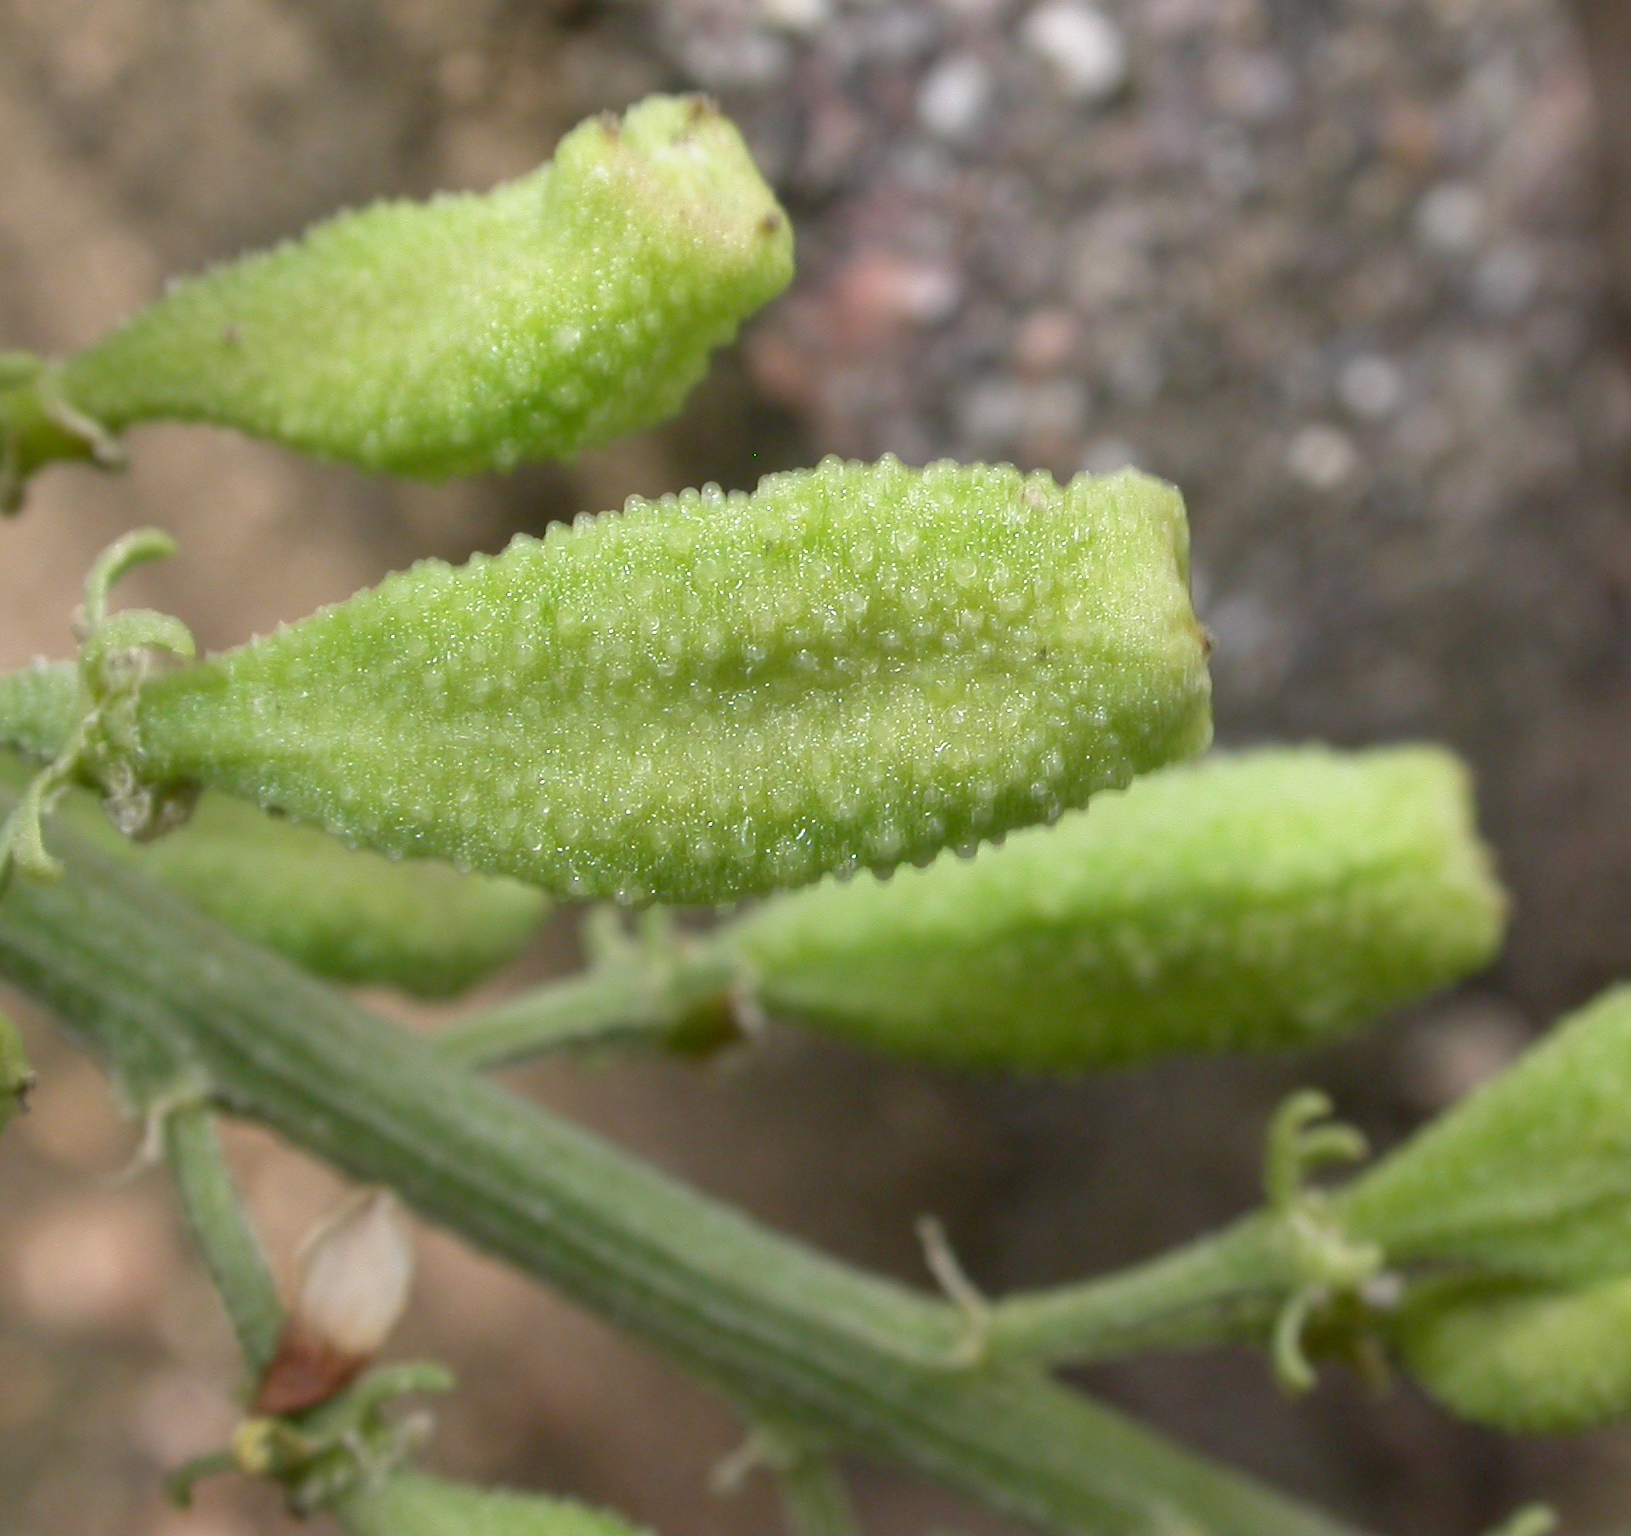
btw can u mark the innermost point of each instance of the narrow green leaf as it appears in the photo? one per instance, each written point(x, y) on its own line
point(1242, 903)
point(713, 695)
point(470, 332)
point(1522, 1358)
point(1528, 1176)
point(413, 1504)
point(347, 914)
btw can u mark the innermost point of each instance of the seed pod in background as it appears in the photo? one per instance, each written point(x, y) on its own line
point(1529, 1176)
point(16, 1078)
point(412, 1504)
point(1521, 1358)
point(346, 914)
point(1242, 903)
point(717, 694)
point(469, 333)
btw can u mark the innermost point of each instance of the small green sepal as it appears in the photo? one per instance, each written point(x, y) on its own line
point(118, 654)
point(1335, 1276)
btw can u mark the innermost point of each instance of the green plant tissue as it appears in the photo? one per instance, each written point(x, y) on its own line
point(346, 914)
point(1245, 902)
point(472, 332)
point(1529, 1176)
point(1521, 1358)
point(714, 695)
point(413, 1504)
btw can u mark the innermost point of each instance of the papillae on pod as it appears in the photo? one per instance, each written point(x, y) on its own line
point(1529, 1177)
point(1527, 1359)
point(467, 333)
point(414, 1504)
point(714, 695)
point(346, 914)
point(1242, 903)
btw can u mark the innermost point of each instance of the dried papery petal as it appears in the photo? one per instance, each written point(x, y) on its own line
point(355, 1274)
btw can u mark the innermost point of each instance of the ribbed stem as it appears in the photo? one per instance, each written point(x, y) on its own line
point(221, 1229)
point(782, 1329)
point(1223, 1287)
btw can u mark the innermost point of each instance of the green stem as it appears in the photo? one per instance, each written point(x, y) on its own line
point(219, 1225)
point(635, 995)
point(815, 1499)
point(1224, 1287)
point(778, 1327)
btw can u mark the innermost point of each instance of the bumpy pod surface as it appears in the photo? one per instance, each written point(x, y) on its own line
point(412, 1504)
point(472, 332)
point(1530, 1175)
point(346, 914)
point(720, 694)
point(1241, 903)
point(1526, 1360)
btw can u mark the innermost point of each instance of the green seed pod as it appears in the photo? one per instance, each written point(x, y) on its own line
point(1242, 903)
point(352, 916)
point(463, 334)
point(412, 1504)
point(1528, 1176)
point(16, 1080)
point(1521, 1358)
point(714, 695)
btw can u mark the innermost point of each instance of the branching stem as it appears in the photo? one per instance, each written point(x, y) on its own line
point(844, 1357)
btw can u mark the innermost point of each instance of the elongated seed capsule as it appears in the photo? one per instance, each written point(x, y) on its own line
point(1521, 1358)
point(719, 694)
point(1529, 1176)
point(16, 1079)
point(353, 916)
point(413, 1504)
point(468, 333)
point(1241, 903)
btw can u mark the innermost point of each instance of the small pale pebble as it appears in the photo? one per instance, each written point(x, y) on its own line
point(1322, 457)
point(799, 16)
point(1450, 219)
point(1370, 387)
point(953, 100)
point(1084, 47)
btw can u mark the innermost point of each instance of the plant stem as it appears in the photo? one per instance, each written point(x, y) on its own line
point(815, 1499)
point(1223, 1287)
point(218, 1223)
point(632, 1000)
point(778, 1327)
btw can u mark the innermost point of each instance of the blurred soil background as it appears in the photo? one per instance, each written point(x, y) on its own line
point(1349, 271)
